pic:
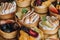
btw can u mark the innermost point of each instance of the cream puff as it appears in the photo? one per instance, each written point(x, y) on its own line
point(30, 34)
point(55, 9)
point(23, 3)
point(49, 25)
point(30, 19)
point(8, 29)
point(8, 10)
point(40, 6)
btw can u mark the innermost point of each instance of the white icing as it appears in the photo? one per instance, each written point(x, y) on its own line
point(27, 21)
point(48, 28)
point(41, 6)
point(11, 10)
point(54, 24)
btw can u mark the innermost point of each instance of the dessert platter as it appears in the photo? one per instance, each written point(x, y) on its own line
point(29, 19)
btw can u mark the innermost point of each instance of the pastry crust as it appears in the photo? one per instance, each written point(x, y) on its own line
point(41, 9)
point(52, 0)
point(8, 10)
point(7, 16)
point(23, 3)
point(8, 35)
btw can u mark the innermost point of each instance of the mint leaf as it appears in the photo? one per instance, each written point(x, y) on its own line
point(24, 10)
point(44, 18)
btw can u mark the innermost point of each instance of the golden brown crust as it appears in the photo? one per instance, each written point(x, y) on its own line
point(8, 35)
point(41, 9)
point(7, 16)
point(23, 3)
point(50, 31)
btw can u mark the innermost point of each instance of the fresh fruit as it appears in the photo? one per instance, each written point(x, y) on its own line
point(29, 31)
point(53, 9)
point(24, 10)
point(33, 33)
point(10, 27)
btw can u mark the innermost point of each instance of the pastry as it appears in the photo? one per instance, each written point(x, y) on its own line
point(22, 11)
point(52, 0)
point(29, 34)
point(30, 19)
point(23, 3)
point(55, 9)
point(8, 10)
point(8, 29)
point(40, 6)
point(52, 37)
point(49, 25)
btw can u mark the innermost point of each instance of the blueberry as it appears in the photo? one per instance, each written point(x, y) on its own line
point(10, 27)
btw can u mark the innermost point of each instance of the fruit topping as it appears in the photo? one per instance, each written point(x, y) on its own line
point(38, 2)
point(10, 27)
point(29, 31)
point(53, 9)
point(56, 5)
point(24, 10)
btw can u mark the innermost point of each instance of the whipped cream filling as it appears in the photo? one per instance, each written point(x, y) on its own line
point(48, 28)
point(52, 21)
point(9, 10)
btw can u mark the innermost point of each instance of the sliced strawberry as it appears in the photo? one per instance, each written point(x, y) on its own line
point(53, 9)
point(33, 33)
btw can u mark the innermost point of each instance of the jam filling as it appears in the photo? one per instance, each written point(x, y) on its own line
point(29, 31)
point(9, 27)
point(38, 2)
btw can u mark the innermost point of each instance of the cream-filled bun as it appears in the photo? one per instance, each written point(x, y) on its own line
point(30, 19)
point(49, 25)
point(7, 10)
point(40, 6)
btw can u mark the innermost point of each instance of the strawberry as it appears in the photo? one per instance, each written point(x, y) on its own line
point(53, 9)
point(33, 33)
